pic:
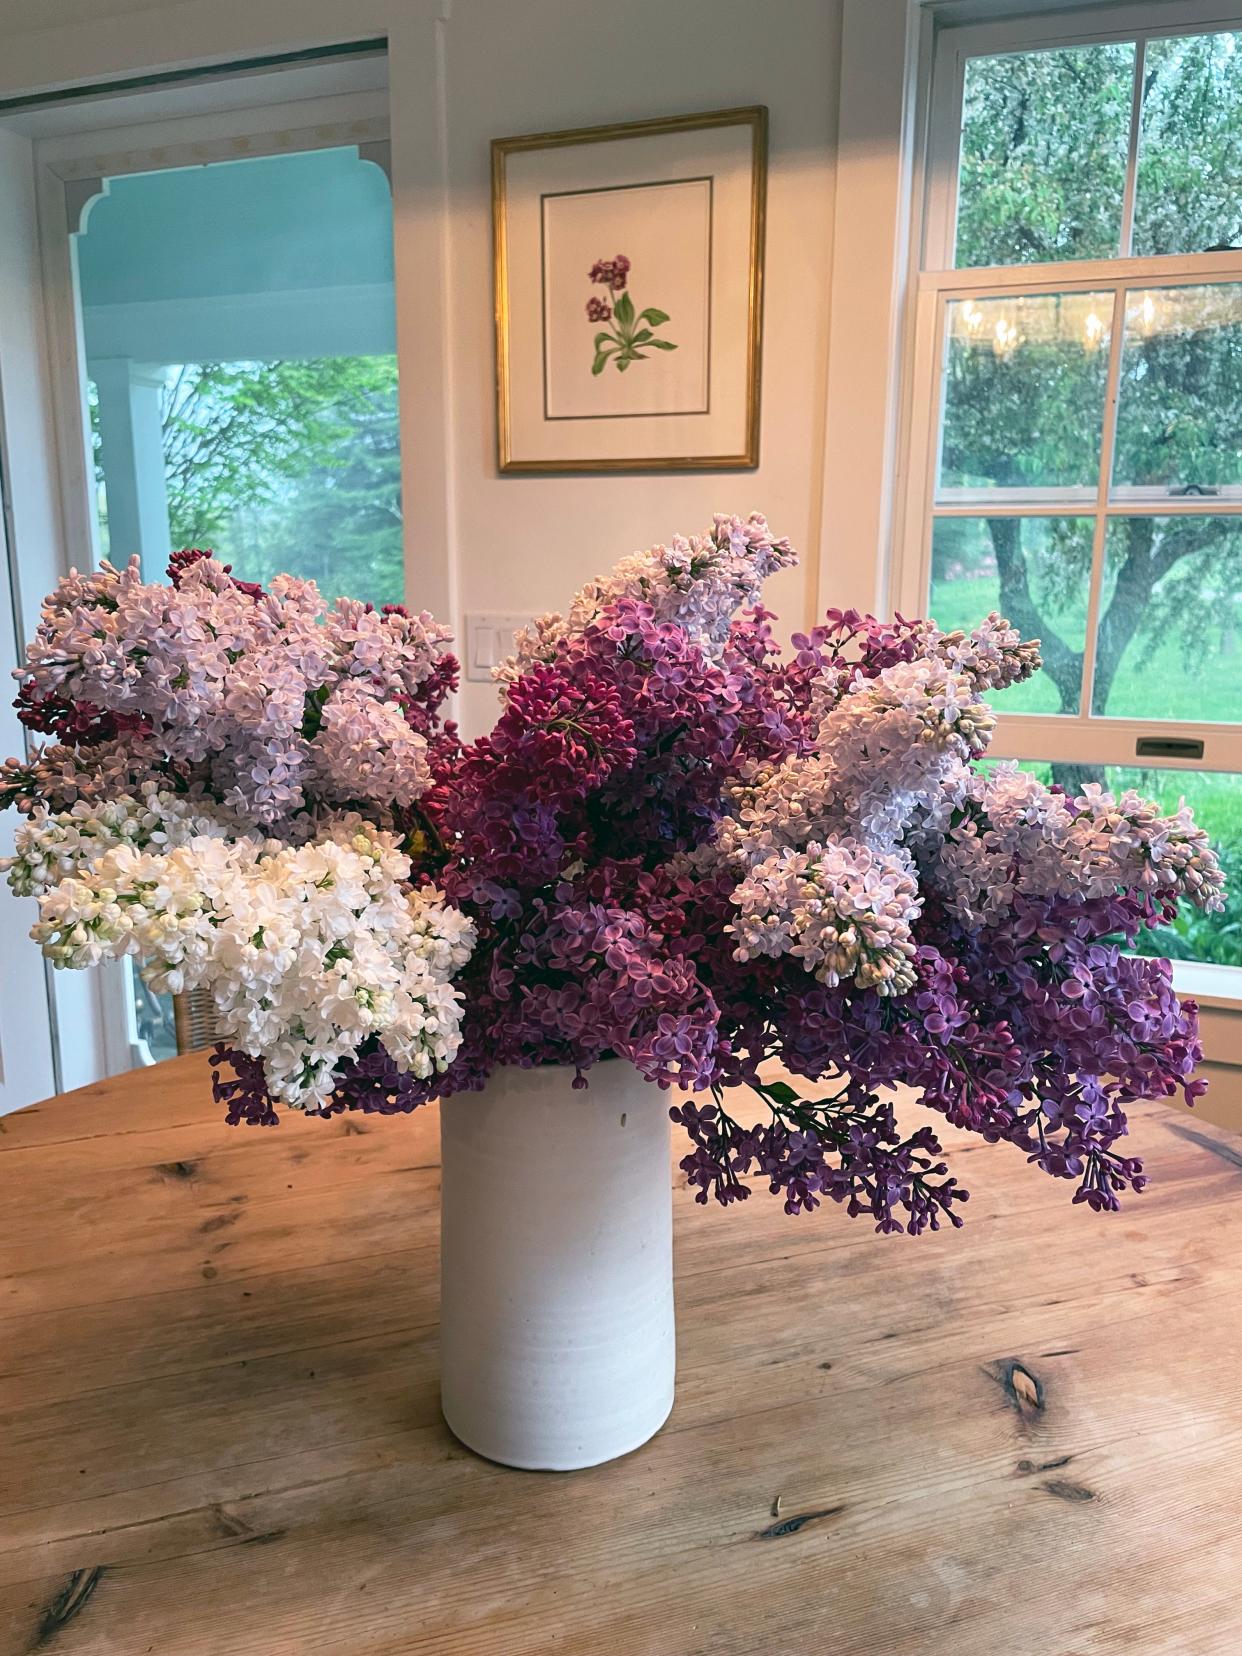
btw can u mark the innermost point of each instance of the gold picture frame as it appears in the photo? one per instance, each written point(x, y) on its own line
point(720, 436)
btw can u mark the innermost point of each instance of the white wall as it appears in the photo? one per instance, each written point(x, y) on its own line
point(525, 543)
point(464, 72)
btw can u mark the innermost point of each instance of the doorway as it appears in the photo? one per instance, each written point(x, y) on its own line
point(221, 349)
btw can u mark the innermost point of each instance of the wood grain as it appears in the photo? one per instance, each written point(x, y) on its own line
point(219, 1428)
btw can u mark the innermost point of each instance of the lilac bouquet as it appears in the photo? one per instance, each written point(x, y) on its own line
point(678, 847)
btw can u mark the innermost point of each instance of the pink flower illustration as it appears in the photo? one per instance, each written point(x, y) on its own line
point(632, 336)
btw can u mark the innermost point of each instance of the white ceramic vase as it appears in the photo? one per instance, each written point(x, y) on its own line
point(556, 1326)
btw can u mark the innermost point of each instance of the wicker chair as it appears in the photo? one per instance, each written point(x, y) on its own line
point(194, 1020)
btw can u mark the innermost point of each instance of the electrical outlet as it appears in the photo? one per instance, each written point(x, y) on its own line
point(489, 639)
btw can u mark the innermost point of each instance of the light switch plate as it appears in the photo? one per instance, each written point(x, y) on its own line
point(489, 639)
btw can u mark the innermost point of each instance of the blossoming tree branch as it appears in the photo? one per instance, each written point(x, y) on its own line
point(679, 847)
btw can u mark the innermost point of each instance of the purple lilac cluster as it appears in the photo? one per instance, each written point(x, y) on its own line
point(683, 848)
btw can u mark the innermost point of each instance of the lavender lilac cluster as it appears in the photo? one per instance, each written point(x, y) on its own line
point(683, 848)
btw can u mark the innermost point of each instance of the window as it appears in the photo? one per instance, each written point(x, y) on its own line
point(1075, 434)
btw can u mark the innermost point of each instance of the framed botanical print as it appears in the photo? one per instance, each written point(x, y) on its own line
point(629, 294)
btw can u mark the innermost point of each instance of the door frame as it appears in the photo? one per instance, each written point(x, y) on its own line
point(67, 174)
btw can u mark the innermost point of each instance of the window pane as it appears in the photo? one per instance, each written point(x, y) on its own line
point(313, 485)
point(1043, 159)
point(153, 1016)
point(1024, 384)
point(1170, 612)
point(1216, 799)
point(1179, 419)
point(1189, 192)
point(1036, 571)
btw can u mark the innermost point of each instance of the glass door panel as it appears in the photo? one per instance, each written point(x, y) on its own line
point(239, 330)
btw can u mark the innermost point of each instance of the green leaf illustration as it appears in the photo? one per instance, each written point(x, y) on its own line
point(623, 363)
point(663, 345)
point(623, 310)
point(601, 357)
point(641, 336)
point(655, 317)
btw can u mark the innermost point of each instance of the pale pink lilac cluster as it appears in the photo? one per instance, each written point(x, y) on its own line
point(845, 912)
point(679, 847)
point(698, 583)
point(258, 699)
point(824, 840)
point(1017, 838)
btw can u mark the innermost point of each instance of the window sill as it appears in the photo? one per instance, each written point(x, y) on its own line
point(1210, 985)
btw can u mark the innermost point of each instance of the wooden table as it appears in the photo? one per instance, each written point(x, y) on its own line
point(219, 1429)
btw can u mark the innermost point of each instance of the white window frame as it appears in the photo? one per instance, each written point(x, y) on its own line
point(929, 282)
point(1077, 737)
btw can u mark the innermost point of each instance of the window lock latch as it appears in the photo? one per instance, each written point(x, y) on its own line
point(1168, 747)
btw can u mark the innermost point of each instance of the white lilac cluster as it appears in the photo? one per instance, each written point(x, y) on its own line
point(50, 846)
point(309, 951)
point(1016, 837)
point(236, 687)
point(843, 910)
point(698, 583)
